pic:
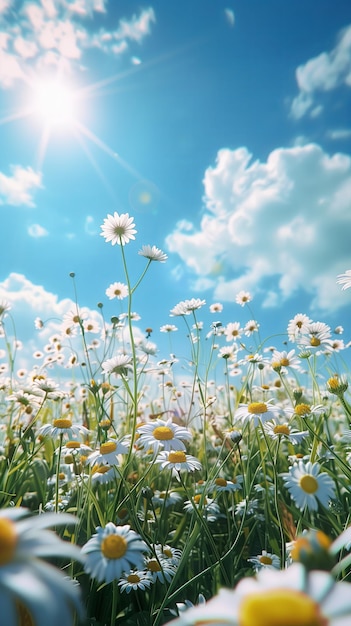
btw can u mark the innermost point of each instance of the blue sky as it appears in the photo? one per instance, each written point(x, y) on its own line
point(232, 119)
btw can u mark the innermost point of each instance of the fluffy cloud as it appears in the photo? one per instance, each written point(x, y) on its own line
point(35, 230)
point(324, 72)
point(273, 227)
point(17, 189)
point(50, 33)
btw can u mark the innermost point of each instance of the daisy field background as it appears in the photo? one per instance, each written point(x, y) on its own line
point(223, 128)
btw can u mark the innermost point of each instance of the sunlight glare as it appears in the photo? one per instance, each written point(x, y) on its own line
point(54, 102)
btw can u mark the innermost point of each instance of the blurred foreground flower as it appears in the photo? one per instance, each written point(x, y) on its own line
point(32, 591)
point(292, 597)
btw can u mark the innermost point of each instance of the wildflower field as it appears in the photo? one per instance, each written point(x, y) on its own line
point(133, 494)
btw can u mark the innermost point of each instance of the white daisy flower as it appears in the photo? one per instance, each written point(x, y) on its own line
point(298, 326)
point(118, 228)
point(257, 412)
point(207, 506)
point(178, 462)
point(160, 570)
point(233, 331)
point(117, 290)
point(104, 474)
point(187, 306)
point(265, 560)
point(221, 484)
point(119, 365)
point(289, 597)
point(168, 553)
point(108, 453)
point(243, 297)
point(216, 307)
point(165, 434)
point(31, 590)
point(166, 498)
point(135, 580)
point(168, 328)
point(285, 360)
point(251, 327)
point(62, 426)
point(308, 486)
point(317, 336)
point(153, 254)
point(112, 551)
point(279, 431)
point(344, 280)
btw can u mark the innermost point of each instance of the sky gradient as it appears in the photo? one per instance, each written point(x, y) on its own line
point(223, 128)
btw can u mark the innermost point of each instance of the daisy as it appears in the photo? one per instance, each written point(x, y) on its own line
point(216, 307)
point(168, 328)
point(108, 453)
point(159, 433)
point(279, 431)
point(187, 306)
point(251, 327)
point(257, 412)
point(119, 365)
point(265, 560)
point(153, 254)
point(104, 474)
point(178, 462)
point(31, 590)
point(285, 359)
point(291, 597)
point(169, 554)
point(160, 570)
point(5, 306)
point(298, 326)
point(166, 498)
point(135, 580)
point(221, 484)
point(118, 228)
point(344, 280)
point(243, 297)
point(317, 335)
point(307, 486)
point(62, 426)
point(91, 326)
point(112, 551)
point(117, 290)
point(207, 506)
point(233, 331)
point(303, 410)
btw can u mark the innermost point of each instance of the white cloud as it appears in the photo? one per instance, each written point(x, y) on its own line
point(285, 222)
point(230, 17)
point(18, 188)
point(52, 33)
point(35, 230)
point(89, 226)
point(324, 72)
point(339, 133)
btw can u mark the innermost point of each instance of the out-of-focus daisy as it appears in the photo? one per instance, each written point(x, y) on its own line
point(118, 228)
point(138, 579)
point(305, 410)
point(91, 326)
point(251, 327)
point(178, 462)
point(308, 486)
point(168, 328)
point(117, 290)
point(317, 335)
point(62, 426)
point(119, 365)
point(221, 484)
point(265, 560)
point(153, 254)
point(31, 590)
point(5, 306)
point(171, 555)
point(257, 412)
point(160, 570)
point(48, 388)
point(165, 434)
point(243, 297)
point(166, 498)
point(112, 551)
point(344, 280)
point(108, 453)
point(216, 307)
point(187, 306)
point(291, 597)
point(207, 506)
point(283, 431)
point(104, 474)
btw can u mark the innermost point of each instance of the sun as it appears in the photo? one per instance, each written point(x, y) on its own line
point(53, 102)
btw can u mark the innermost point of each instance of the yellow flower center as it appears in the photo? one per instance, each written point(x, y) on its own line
point(197, 499)
point(74, 445)
point(265, 560)
point(257, 408)
point(221, 482)
point(62, 422)
point(308, 484)
point(153, 565)
point(300, 544)
point(167, 553)
point(163, 433)
point(133, 578)
point(315, 342)
point(101, 469)
point(114, 546)
point(281, 429)
point(25, 618)
point(302, 409)
point(323, 540)
point(8, 540)
point(333, 382)
point(108, 447)
point(177, 457)
point(281, 607)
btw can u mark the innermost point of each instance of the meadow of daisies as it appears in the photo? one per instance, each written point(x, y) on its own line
point(134, 494)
